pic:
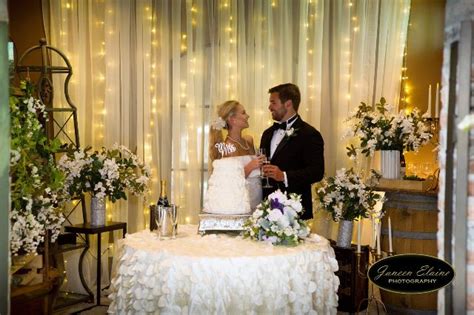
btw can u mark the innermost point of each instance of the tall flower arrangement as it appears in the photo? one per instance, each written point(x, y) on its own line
point(346, 196)
point(378, 129)
point(104, 173)
point(36, 187)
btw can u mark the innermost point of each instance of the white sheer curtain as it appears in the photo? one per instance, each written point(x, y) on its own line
point(149, 74)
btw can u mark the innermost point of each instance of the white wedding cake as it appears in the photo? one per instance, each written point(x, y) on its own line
point(227, 193)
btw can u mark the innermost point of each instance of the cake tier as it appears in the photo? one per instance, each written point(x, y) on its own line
point(227, 192)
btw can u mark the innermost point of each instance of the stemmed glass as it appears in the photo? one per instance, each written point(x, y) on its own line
point(261, 152)
point(174, 220)
point(158, 219)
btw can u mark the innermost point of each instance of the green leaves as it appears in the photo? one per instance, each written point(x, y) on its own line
point(36, 183)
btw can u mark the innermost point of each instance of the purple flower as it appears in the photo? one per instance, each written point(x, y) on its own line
point(274, 204)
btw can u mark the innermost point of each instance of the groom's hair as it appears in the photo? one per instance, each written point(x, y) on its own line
point(288, 91)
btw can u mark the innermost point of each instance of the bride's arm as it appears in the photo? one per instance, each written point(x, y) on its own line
point(254, 163)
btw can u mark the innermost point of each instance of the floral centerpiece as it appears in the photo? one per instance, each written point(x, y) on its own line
point(276, 220)
point(347, 198)
point(104, 173)
point(36, 188)
point(379, 129)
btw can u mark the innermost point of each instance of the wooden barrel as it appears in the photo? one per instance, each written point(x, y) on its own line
point(414, 217)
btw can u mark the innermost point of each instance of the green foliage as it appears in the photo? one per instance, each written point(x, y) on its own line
point(36, 183)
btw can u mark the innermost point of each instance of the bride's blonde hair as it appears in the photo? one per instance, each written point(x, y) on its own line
point(224, 111)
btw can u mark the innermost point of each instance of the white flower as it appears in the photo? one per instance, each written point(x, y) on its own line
point(275, 225)
point(275, 215)
point(218, 123)
point(257, 213)
point(467, 122)
point(278, 195)
point(290, 132)
point(283, 222)
point(14, 157)
point(380, 128)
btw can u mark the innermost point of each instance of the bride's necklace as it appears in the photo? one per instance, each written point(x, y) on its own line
point(246, 148)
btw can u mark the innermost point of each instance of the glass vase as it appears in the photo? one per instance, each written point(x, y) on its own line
point(344, 235)
point(97, 211)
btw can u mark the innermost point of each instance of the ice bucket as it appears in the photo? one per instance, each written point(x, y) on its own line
point(166, 218)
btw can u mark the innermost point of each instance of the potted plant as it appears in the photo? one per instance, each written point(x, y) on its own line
point(347, 198)
point(104, 173)
point(379, 129)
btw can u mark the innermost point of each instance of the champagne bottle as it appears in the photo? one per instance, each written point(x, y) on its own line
point(162, 201)
point(402, 165)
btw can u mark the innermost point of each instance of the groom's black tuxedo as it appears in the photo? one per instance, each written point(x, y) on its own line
point(301, 156)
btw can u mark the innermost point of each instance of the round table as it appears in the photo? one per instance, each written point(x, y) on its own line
point(222, 274)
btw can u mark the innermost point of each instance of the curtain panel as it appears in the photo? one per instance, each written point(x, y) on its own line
point(149, 74)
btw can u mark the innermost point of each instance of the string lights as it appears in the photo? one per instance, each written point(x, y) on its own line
point(184, 39)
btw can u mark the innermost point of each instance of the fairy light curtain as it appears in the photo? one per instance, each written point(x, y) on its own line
point(149, 73)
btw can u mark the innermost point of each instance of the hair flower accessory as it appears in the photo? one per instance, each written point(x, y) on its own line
point(218, 123)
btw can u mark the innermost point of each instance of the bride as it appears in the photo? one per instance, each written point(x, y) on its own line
point(233, 118)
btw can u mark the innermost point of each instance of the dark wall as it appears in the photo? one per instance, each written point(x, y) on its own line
point(26, 26)
point(424, 50)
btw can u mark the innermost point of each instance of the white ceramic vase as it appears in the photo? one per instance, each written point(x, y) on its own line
point(390, 164)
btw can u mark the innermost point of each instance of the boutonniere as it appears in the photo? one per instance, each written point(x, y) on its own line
point(290, 132)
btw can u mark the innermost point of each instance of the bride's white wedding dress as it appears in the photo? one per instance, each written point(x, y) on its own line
point(252, 182)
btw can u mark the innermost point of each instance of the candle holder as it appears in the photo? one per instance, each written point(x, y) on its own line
point(372, 299)
point(434, 127)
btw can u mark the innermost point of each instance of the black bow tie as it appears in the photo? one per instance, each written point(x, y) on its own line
point(277, 126)
point(283, 125)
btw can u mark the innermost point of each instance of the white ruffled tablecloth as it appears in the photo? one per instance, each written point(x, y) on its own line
point(222, 274)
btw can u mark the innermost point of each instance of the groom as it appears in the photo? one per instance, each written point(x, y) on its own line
point(295, 148)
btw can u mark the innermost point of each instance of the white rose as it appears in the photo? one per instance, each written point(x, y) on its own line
point(275, 215)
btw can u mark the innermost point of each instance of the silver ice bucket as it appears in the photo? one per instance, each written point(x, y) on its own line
point(166, 218)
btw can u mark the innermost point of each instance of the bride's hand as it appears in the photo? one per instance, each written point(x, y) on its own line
point(261, 160)
point(255, 163)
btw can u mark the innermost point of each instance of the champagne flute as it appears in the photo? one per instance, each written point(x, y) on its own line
point(159, 220)
point(261, 152)
point(265, 161)
point(267, 184)
point(174, 220)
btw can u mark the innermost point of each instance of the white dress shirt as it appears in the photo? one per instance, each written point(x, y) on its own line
point(278, 135)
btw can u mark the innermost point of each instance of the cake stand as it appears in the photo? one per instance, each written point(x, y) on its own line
point(210, 222)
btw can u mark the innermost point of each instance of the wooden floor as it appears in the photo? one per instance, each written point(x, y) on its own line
point(77, 308)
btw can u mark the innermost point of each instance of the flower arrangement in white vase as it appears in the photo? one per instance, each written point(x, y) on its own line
point(347, 197)
point(276, 220)
point(37, 185)
point(104, 173)
point(379, 129)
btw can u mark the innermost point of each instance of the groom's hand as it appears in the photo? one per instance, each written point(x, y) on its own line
point(274, 172)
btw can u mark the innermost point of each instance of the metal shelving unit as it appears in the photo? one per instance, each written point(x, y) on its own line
point(60, 119)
